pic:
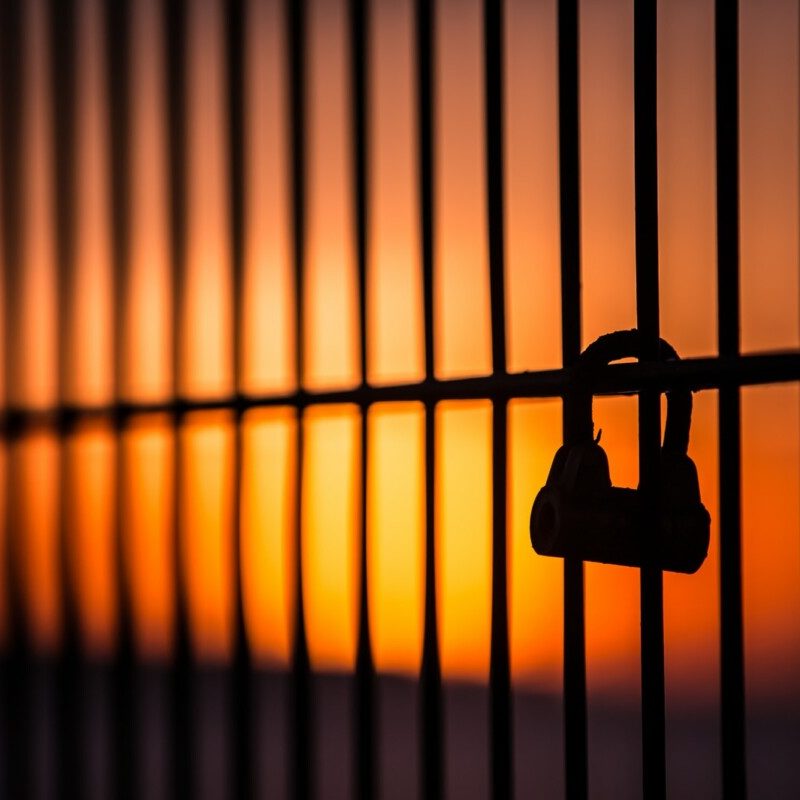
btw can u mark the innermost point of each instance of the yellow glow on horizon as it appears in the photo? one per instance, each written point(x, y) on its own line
point(206, 518)
point(770, 545)
point(33, 515)
point(329, 534)
point(463, 536)
point(89, 503)
point(536, 584)
point(396, 531)
point(147, 497)
point(268, 527)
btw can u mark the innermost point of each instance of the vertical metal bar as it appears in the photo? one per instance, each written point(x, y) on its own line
point(69, 667)
point(502, 764)
point(364, 717)
point(302, 773)
point(241, 673)
point(425, 33)
point(432, 739)
point(117, 53)
point(16, 653)
point(493, 112)
point(175, 44)
point(734, 755)
point(499, 665)
point(61, 41)
point(117, 32)
point(366, 740)
point(645, 42)
point(575, 745)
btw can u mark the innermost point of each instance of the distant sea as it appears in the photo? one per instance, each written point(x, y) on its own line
point(693, 741)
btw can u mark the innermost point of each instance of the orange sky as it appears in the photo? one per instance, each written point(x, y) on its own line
point(395, 499)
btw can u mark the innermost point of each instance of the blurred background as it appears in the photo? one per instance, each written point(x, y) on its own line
point(118, 288)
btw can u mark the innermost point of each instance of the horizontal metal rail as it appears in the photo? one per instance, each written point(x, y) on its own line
point(697, 374)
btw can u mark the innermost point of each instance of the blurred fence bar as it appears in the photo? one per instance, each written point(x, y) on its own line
point(182, 678)
point(62, 46)
point(432, 735)
point(117, 54)
point(500, 718)
point(365, 738)
point(734, 760)
point(302, 766)
point(16, 654)
point(243, 777)
point(575, 736)
point(647, 318)
point(29, 674)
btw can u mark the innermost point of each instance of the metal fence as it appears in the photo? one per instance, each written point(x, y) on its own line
point(727, 372)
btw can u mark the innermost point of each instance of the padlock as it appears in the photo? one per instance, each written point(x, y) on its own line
point(578, 514)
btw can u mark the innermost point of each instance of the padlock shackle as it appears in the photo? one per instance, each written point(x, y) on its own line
point(613, 347)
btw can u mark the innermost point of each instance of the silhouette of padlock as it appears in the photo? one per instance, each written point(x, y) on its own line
point(578, 514)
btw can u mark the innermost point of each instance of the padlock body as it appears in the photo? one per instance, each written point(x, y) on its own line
point(612, 526)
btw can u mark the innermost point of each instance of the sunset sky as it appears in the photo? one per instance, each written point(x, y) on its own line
point(83, 467)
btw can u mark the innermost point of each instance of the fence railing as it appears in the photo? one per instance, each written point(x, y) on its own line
point(728, 373)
